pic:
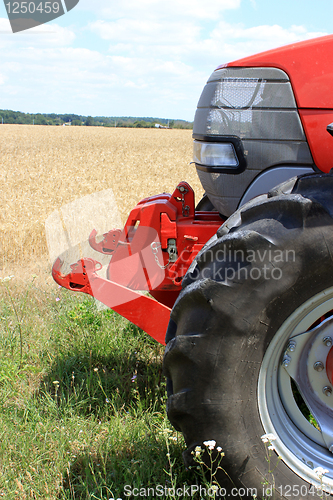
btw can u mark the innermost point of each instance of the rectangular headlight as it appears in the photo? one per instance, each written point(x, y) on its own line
point(215, 154)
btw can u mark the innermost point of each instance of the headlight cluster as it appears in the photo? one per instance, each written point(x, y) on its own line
point(212, 154)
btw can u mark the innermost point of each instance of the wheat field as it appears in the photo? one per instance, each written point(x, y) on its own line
point(44, 168)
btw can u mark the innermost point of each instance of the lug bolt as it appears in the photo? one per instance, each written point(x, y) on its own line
point(285, 362)
point(331, 448)
point(318, 366)
point(291, 346)
point(327, 341)
point(327, 390)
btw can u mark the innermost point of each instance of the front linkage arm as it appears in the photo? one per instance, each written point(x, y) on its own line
point(160, 239)
point(145, 312)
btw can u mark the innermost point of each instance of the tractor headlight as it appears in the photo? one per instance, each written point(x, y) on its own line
point(223, 155)
point(212, 154)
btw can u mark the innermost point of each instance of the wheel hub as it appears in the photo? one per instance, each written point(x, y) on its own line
point(294, 398)
point(329, 364)
point(305, 360)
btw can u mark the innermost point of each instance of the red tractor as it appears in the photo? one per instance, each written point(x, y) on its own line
point(242, 283)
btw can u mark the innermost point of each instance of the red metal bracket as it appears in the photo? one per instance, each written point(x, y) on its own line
point(180, 233)
point(108, 243)
point(145, 312)
point(161, 237)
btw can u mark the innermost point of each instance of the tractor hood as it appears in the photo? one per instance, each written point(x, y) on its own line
point(308, 65)
point(264, 115)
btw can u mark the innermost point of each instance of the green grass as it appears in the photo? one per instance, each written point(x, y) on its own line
point(82, 400)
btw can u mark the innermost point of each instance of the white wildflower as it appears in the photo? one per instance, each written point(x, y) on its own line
point(319, 471)
point(270, 447)
point(219, 449)
point(210, 444)
point(7, 278)
point(268, 438)
point(198, 451)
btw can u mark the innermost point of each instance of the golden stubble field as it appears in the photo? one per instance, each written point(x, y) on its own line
point(44, 168)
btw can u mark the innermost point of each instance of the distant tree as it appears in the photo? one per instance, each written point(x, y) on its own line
point(10, 116)
point(143, 124)
point(40, 120)
point(89, 121)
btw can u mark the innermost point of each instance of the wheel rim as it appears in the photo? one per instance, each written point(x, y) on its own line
point(299, 444)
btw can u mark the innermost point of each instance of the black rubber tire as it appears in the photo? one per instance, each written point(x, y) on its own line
point(205, 204)
point(223, 322)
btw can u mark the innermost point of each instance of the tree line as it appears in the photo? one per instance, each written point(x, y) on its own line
point(11, 117)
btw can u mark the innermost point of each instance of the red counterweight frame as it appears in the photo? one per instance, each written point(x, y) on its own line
point(152, 253)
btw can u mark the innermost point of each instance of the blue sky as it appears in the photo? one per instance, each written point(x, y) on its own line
point(143, 57)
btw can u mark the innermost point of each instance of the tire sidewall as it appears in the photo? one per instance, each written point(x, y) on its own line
point(223, 328)
point(267, 468)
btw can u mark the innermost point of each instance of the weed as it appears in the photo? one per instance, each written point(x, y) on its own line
point(19, 313)
point(269, 483)
point(85, 414)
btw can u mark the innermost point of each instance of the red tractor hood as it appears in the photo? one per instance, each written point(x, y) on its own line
point(308, 65)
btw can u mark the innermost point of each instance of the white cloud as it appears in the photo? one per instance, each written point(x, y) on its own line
point(149, 58)
point(133, 32)
point(231, 42)
point(86, 82)
point(45, 35)
point(44, 78)
point(149, 9)
point(4, 25)
point(184, 41)
point(274, 35)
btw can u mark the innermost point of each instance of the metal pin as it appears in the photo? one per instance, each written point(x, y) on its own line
point(292, 346)
point(318, 366)
point(286, 360)
point(327, 390)
point(327, 341)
